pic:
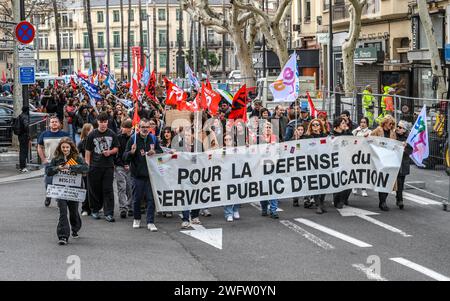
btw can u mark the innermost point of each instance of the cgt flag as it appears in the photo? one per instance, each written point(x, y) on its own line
point(239, 106)
point(150, 89)
point(210, 99)
point(418, 139)
point(175, 95)
point(287, 86)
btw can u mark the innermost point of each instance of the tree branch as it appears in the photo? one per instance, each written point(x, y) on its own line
point(281, 10)
point(251, 8)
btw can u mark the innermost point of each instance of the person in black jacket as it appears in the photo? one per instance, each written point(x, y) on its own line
point(24, 138)
point(402, 131)
point(340, 128)
point(138, 147)
point(122, 171)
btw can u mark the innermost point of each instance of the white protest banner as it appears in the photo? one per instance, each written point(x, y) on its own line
point(185, 181)
point(66, 193)
point(67, 179)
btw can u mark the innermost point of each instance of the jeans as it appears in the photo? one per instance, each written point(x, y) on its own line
point(123, 181)
point(24, 141)
point(77, 139)
point(101, 192)
point(63, 228)
point(230, 209)
point(85, 206)
point(194, 214)
point(273, 206)
point(142, 188)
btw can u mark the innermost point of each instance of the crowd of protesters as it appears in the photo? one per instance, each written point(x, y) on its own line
point(102, 140)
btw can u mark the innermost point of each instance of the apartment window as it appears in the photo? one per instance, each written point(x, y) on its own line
point(85, 40)
point(162, 35)
point(116, 39)
point(210, 36)
point(143, 14)
point(87, 63)
point(180, 38)
point(131, 15)
point(178, 14)
point(162, 60)
point(438, 27)
point(117, 60)
point(131, 37)
point(145, 38)
point(116, 16)
point(100, 40)
point(326, 4)
point(84, 17)
point(161, 14)
point(44, 65)
point(307, 11)
point(67, 40)
point(43, 41)
point(66, 20)
point(99, 17)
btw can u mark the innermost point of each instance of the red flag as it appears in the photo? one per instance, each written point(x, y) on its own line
point(136, 117)
point(3, 76)
point(175, 95)
point(73, 84)
point(312, 109)
point(150, 89)
point(135, 87)
point(56, 84)
point(208, 84)
point(209, 99)
point(239, 105)
point(81, 74)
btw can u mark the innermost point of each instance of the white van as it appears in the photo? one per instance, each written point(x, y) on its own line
point(44, 80)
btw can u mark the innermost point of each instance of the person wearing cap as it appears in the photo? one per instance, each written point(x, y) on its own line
point(402, 131)
point(368, 104)
point(304, 115)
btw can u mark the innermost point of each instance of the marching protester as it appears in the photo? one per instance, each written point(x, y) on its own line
point(386, 129)
point(350, 124)
point(66, 153)
point(87, 129)
point(402, 131)
point(316, 129)
point(47, 143)
point(362, 131)
point(231, 211)
point(322, 115)
point(340, 128)
point(294, 120)
point(138, 147)
point(101, 147)
point(299, 133)
point(122, 171)
point(279, 122)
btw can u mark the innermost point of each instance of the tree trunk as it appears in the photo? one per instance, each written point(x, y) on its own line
point(129, 43)
point(244, 57)
point(348, 48)
point(122, 45)
point(436, 65)
point(91, 35)
point(58, 38)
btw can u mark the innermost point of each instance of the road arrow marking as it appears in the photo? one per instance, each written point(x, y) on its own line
point(420, 269)
point(212, 237)
point(364, 214)
point(257, 205)
point(309, 236)
point(419, 199)
point(371, 275)
point(334, 233)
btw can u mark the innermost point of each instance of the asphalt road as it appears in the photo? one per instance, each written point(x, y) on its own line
point(253, 248)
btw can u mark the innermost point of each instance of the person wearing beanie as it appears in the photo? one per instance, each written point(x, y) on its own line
point(402, 131)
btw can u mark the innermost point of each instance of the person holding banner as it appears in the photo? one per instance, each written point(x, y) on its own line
point(67, 159)
point(299, 133)
point(402, 131)
point(386, 130)
point(138, 147)
point(362, 131)
point(316, 129)
point(231, 211)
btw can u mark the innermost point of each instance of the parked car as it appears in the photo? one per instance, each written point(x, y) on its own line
point(6, 114)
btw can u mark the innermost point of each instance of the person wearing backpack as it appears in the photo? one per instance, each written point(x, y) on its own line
point(20, 128)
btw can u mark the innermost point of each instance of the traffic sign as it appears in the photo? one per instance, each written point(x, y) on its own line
point(27, 75)
point(25, 32)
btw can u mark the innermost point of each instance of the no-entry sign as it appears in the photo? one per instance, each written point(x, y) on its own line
point(25, 32)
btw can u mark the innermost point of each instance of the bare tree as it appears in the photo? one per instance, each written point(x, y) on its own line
point(233, 24)
point(436, 65)
point(273, 26)
point(58, 40)
point(87, 7)
point(348, 48)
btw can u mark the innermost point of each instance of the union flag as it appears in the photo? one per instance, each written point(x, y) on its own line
point(239, 105)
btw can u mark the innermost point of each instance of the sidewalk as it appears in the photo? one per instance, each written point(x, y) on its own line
point(8, 168)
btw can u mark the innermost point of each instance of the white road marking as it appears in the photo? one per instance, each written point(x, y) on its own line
point(334, 233)
point(420, 199)
point(421, 269)
point(212, 237)
point(371, 275)
point(309, 236)
point(383, 225)
point(257, 205)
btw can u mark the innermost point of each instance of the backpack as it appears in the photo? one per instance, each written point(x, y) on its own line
point(16, 125)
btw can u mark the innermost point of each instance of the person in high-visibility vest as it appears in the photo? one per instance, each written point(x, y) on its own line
point(368, 105)
point(383, 105)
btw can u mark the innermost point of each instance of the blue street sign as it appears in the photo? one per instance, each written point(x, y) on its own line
point(27, 75)
point(447, 53)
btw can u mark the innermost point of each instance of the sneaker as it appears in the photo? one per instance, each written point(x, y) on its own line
point(84, 213)
point(110, 218)
point(229, 218)
point(123, 214)
point(130, 213)
point(75, 235)
point(364, 193)
point(62, 241)
point(399, 203)
point(295, 203)
point(206, 212)
point(136, 224)
point(24, 170)
point(355, 191)
point(47, 202)
point(184, 225)
point(383, 206)
point(263, 213)
point(152, 227)
point(236, 215)
point(196, 221)
point(95, 215)
point(274, 215)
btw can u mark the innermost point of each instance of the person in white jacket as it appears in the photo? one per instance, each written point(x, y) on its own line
point(362, 131)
